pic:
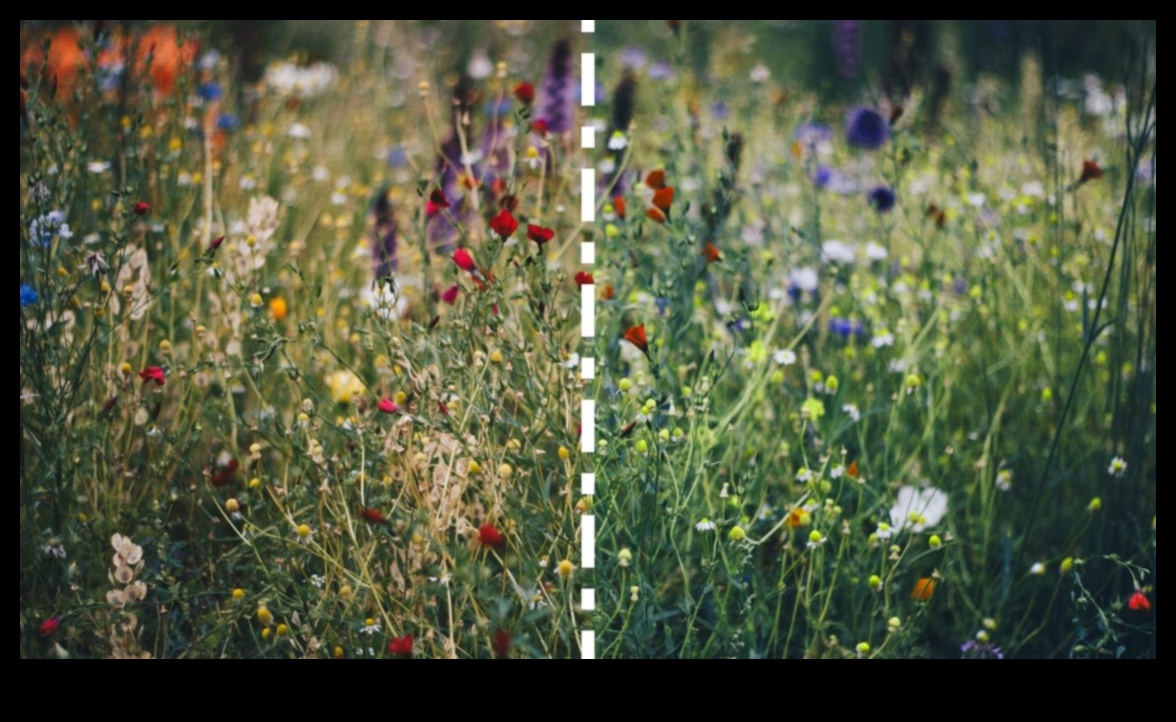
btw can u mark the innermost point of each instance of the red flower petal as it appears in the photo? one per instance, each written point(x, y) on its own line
point(663, 199)
point(1139, 602)
point(583, 278)
point(540, 235)
point(450, 296)
point(221, 478)
point(153, 373)
point(388, 406)
point(401, 648)
point(142, 209)
point(490, 538)
point(525, 92)
point(504, 224)
point(637, 337)
point(500, 644)
point(711, 254)
point(49, 627)
point(656, 180)
point(464, 260)
point(373, 517)
point(217, 243)
point(438, 199)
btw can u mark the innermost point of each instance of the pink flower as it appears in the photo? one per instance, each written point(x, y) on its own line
point(388, 406)
point(153, 373)
point(450, 296)
point(50, 627)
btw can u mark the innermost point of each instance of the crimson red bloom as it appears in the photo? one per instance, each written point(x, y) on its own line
point(388, 406)
point(142, 209)
point(504, 224)
point(438, 199)
point(663, 199)
point(450, 296)
point(608, 293)
point(464, 260)
point(539, 234)
point(1090, 171)
point(525, 92)
point(50, 627)
point(221, 478)
point(583, 278)
point(539, 127)
point(1139, 602)
point(620, 206)
point(637, 337)
point(373, 517)
point(711, 254)
point(216, 243)
point(656, 180)
point(490, 538)
point(500, 644)
point(153, 373)
point(401, 648)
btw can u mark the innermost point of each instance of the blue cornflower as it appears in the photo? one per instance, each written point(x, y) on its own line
point(210, 92)
point(397, 158)
point(866, 129)
point(883, 199)
point(28, 297)
point(498, 108)
point(823, 177)
point(845, 328)
point(721, 111)
point(228, 122)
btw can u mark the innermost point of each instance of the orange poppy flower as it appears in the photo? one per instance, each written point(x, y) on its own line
point(619, 206)
point(637, 337)
point(924, 590)
point(656, 180)
point(711, 254)
point(663, 199)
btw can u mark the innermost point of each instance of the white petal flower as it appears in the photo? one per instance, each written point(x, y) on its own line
point(918, 509)
point(838, 252)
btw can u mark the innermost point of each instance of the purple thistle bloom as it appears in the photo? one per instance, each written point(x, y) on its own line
point(847, 45)
point(883, 199)
point(384, 237)
point(866, 129)
point(558, 107)
point(975, 650)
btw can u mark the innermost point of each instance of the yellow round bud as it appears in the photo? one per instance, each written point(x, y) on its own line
point(232, 506)
point(238, 595)
point(566, 569)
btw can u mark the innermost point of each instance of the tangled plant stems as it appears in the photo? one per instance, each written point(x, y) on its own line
point(859, 383)
point(299, 348)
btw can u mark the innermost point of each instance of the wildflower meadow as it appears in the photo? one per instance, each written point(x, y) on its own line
point(308, 368)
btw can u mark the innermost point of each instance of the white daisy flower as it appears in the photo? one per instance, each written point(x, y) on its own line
point(1118, 468)
point(785, 358)
point(918, 509)
point(704, 526)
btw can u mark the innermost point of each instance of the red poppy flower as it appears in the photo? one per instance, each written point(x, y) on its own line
point(221, 478)
point(142, 209)
point(711, 254)
point(438, 199)
point(464, 260)
point(450, 296)
point(490, 538)
point(500, 644)
point(539, 234)
point(525, 92)
point(216, 243)
point(50, 627)
point(655, 215)
point(663, 199)
point(443, 409)
point(656, 180)
point(636, 336)
point(153, 373)
point(373, 517)
point(1139, 602)
point(1090, 171)
point(583, 278)
point(539, 127)
point(401, 648)
point(608, 293)
point(388, 406)
point(504, 224)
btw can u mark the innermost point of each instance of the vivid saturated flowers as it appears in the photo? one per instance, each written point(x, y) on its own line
point(636, 336)
point(153, 374)
point(865, 128)
point(540, 235)
point(1139, 602)
point(504, 225)
point(401, 647)
point(491, 538)
point(28, 297)
point(49, 627)
point(464, 260)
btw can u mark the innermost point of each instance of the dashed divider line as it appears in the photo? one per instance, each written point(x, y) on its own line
point(588, 195)
point(588, 333)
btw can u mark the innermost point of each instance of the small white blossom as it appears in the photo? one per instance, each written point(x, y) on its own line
point(1118, 468)
point(704, 526)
